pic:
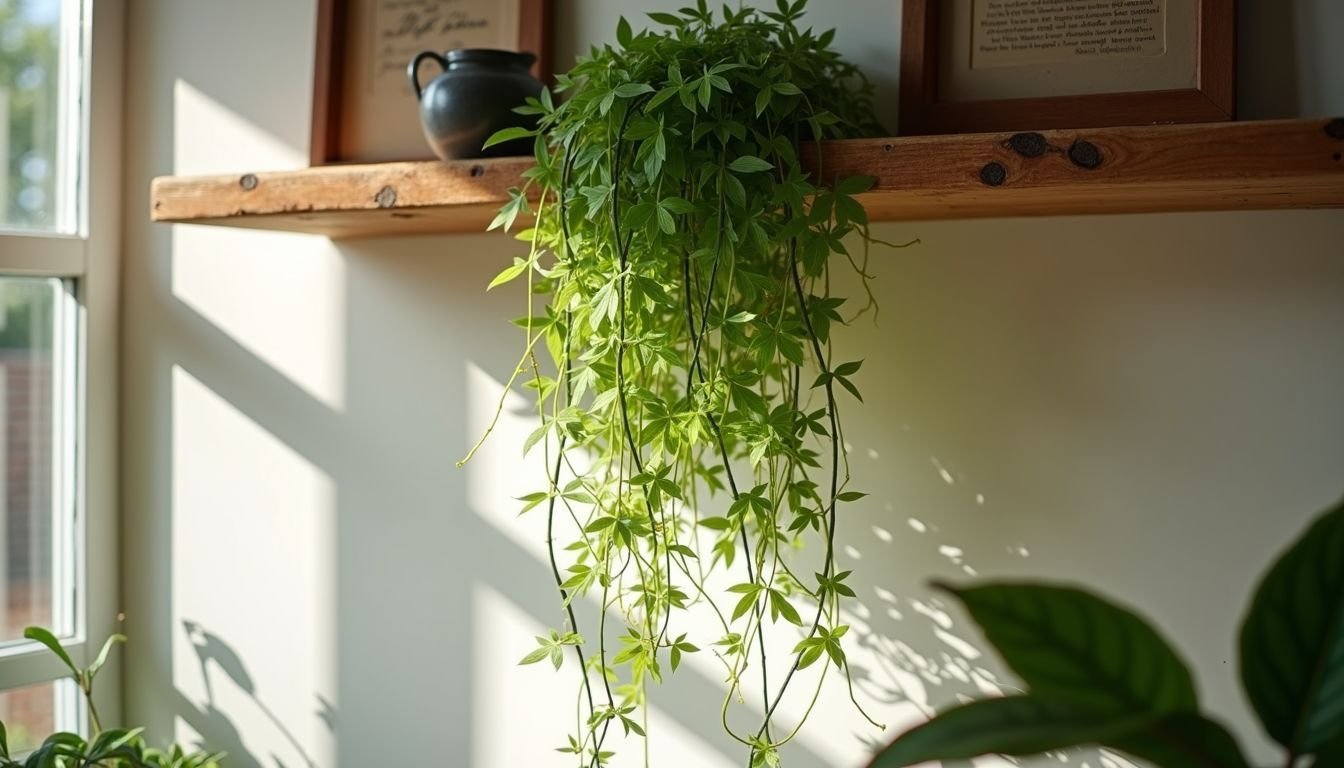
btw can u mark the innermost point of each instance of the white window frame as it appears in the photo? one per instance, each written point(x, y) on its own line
point(92, 259)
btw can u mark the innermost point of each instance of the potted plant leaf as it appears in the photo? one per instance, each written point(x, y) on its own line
point(1097, 674)
point(104, 748)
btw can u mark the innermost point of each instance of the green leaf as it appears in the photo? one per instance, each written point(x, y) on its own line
point(1332, 755)
point(1018, 726)
point(787, 89)
point(749, 164)
point(4, 742)
point(46, 638)
point(678, 205)
point(855, 185)
point(630, 90)
point(623, 34)
point(848, 369)
point(779, 603)
point(853, 390)
point(600, 524)
point(1072, 645)
point(509, 273)
point(1292, 641)
point(535, 656)
point(762, 101)
point(809, 653)
point(666, 223)
point(98, 663)
point(507, 134)
point(1180, 741)
point(683, 550)
point(747, 602)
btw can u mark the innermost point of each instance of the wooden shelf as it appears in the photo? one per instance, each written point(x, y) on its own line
point(1211, 167)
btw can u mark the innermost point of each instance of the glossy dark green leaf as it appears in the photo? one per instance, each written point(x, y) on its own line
point(1182, 740)
point(1331, 755)
point(1069, 644)
point(1292, 641)
point(1018, 726)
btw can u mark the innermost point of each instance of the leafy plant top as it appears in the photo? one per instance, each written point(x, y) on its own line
point(690, 407)
point(110, 748)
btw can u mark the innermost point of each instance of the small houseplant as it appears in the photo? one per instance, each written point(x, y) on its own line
point(1098, 674)
point(690, 408)
point(110, 748)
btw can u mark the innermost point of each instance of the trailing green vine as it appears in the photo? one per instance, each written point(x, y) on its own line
point(690, 411)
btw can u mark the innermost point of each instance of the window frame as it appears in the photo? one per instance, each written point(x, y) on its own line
point(91, 259)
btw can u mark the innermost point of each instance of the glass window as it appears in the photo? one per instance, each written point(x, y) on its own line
point(36, 509)
point(33, 713)
point(39, 114)
point(45, 249)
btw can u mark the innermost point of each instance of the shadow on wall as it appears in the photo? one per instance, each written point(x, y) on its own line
point(308, 547)
point(214, 726)
point(217, 731)
point(435, 588)
point(419, 663)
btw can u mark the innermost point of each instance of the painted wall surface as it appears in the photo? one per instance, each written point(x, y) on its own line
point(1146, 404)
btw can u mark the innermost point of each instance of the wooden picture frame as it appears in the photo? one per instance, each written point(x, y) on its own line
point(535, 27)
point(922, 111)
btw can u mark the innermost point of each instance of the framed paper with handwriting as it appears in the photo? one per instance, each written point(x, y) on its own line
point(363, 106)
point(1017, 65)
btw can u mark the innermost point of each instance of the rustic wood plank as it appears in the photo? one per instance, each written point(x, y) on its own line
point(1205, 167)
point(1217, 166)
point(346, 200)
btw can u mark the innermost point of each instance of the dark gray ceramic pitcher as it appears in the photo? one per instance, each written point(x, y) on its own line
point(473, 98)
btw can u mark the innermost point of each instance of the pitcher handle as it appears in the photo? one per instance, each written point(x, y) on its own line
point(413, 71)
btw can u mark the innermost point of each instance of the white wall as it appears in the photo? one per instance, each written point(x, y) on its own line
point(1146, 404)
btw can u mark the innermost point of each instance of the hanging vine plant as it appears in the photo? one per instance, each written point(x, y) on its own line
point(690, 413)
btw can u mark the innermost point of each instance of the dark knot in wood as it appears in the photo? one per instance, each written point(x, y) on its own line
point(1085, 154)
point(1028, 144)
point(248, 182)
point(386, 197)
point(477, 170)
point(1335, 129)
point(994, 174)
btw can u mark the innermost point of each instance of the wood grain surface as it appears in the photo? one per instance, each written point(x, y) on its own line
point(1202, 167)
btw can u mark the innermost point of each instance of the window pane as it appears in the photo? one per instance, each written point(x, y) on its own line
point(32, 714)
point(37, 106)
point(36, 539)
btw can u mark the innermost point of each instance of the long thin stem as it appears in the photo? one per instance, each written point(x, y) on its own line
point(94, 722)
point(832, 409)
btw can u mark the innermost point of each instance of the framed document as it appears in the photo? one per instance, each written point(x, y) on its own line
point(1015, 65)
point(363, 107)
